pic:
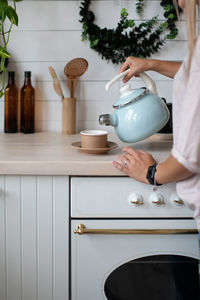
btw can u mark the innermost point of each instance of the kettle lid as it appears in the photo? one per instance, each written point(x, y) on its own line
point(127, 96)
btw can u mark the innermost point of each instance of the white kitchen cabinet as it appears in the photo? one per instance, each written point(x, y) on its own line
point(34, 237)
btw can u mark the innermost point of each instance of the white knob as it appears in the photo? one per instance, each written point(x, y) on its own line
point(157, 199)
point(136, 199)
point(176, 201)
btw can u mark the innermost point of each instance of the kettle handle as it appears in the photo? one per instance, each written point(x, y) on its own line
point(149, 83)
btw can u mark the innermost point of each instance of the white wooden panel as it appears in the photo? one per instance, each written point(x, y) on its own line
point(29, 237)
point(60, 237)
point(85, 90)
point(13, 237)
point(51, 15)
point(92, 90)
point(95, 91)
point(98, 70)
point(34, 237)
point(2, 241)
point(41, 46)
point(88, 108)
point(54, 126)
point(151, 9)
point(82, 125)
point(45, 239)
point(1, 126)
point(47, 46)
point(62, 15)
point(48, 111)
point(92, 110)
point(1, 111)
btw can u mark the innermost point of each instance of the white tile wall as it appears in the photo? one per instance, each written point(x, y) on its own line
point(49, 33)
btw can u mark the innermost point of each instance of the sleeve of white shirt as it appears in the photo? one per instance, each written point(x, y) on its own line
point(186, 148)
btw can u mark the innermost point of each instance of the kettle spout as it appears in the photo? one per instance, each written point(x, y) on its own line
point(104, 119)
point(108, 119)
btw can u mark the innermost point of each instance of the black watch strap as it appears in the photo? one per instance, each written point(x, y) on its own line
point(151, 175)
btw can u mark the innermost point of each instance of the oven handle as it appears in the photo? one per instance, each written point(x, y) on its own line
point(81, 229)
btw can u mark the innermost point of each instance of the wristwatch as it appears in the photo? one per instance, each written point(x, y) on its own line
point(151, 175)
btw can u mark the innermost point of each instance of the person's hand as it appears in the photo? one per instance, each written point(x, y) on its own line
point(135, 163)
point(136, 66)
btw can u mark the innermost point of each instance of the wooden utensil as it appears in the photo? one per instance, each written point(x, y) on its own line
point(74, 69)
point(56, 82)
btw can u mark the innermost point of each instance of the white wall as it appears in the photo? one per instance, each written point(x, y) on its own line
point(49, 33)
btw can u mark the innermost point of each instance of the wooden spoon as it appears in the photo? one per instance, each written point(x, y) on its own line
point(74, 69)
point(56, 82)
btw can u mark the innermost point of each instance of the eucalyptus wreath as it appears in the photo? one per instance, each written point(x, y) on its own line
point(128, 39)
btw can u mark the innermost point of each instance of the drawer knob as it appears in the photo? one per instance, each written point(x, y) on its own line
point(157, 199)
point(176, 201)
point(136, 199)
point(179, 201)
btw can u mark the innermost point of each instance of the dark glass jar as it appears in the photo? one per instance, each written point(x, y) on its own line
point(27, 105)
point(11, 104)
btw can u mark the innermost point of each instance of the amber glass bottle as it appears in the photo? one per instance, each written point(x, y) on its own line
point(11, 103)
point(27, 105)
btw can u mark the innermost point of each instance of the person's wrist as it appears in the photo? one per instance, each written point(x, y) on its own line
point(152, 65)
point(157, 179)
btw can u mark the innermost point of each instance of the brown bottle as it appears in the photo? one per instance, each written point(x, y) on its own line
point(27, 105)
point(11, 103)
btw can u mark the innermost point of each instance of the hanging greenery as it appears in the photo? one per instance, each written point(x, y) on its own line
point(139, 6)
point(128, 39)
point(8, 16)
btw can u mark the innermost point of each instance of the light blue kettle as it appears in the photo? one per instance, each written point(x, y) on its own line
point(138, 113)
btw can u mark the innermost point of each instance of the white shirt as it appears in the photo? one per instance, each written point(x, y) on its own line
point(186, 130)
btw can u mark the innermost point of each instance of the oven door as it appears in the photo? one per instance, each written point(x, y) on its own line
point(134, 259)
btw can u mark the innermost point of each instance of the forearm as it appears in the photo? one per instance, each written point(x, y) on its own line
point(171, 171)
point(138, 65)
point(166, 68)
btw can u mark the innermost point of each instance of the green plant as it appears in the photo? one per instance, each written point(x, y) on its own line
point(139, 6)
point(9, 16)
point(127, 38)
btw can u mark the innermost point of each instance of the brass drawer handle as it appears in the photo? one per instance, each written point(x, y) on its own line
point(81, 229)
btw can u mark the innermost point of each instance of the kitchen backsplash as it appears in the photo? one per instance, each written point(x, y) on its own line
point(49, 33)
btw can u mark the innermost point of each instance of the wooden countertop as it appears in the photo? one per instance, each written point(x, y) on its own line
point(52, 154)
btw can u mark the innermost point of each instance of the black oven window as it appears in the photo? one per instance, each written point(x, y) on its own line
point(159, 277)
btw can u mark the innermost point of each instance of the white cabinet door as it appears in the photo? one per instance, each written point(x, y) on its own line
point(34, 237)
point(96, 256)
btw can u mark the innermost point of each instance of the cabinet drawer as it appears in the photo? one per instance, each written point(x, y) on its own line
point(117, 197)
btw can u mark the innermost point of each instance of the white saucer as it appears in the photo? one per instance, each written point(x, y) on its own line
point(111, 146)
